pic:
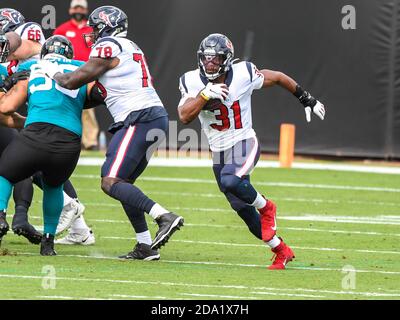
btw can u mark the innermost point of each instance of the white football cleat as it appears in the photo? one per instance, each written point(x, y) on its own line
point(84, 239)
point(69, 214)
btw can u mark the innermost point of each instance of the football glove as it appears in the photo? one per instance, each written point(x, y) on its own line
point(215, 91)
point(49, 68)
point(12, 80)
point(310, 104)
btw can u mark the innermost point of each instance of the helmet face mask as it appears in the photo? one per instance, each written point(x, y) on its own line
point(215, 56)
point(57, 45)
point(4, 48)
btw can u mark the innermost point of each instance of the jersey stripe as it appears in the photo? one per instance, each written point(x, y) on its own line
point(123, 148)
point(248, 65)
point(183, 81)
point(244, 170)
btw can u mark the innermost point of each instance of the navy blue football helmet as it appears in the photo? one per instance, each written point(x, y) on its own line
point(212, 46)
point(10, 19)
point(106, 21)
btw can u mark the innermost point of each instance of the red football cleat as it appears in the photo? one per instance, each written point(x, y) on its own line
point(283, 254)
point(268, 221)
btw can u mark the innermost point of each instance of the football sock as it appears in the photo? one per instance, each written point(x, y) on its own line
point(144, 237)
point(20, 215)
point(23, 193)
point(79, 226)
point(131, 195)
point(260, 202)
point(5, 193)
point(137, 218)
point(252, 219)
point(274, 242)
point(70, 190)
point(66, 199)
point(52, 206)
point(157, 211)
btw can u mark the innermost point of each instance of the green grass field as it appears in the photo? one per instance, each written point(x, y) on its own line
point(331, 220)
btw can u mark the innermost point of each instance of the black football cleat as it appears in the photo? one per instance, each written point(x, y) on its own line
point(142, 251)
point(4, 227)
point(47, 245)
point(168, 223)
point(28, 231)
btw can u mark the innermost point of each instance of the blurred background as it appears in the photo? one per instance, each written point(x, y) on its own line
point(354, 72)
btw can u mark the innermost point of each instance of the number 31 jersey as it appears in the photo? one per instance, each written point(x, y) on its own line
point(228, 122)
point(128, 87)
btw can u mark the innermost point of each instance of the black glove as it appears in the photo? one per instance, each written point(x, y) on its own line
point(12, 80)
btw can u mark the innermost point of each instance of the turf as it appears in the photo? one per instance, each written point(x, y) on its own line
point(214, 256)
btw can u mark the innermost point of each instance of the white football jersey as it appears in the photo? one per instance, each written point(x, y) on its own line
point(27, 31)
point(128, 86)
point(231, 121)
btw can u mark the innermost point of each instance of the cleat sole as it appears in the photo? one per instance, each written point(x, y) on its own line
point(165, 238)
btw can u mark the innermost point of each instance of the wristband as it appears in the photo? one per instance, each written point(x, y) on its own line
point(204, 96)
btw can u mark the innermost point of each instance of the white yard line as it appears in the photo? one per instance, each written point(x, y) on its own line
point(98, 255)
point(228, 244)
point(191, 162)
point(247, 297)
point(68, 298)
point(270, 184)
point(219, 195)
point(253, 290)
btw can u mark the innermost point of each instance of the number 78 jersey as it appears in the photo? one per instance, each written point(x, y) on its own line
point(127, 87)
point(228, 122)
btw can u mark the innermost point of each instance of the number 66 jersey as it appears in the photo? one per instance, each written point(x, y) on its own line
point(229, 122)
point(127, 87)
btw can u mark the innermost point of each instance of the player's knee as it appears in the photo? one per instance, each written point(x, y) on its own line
point(229, 183)
point(237, 204)
point(107, 183)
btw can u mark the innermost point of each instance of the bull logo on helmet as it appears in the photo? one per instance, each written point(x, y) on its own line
point(110, 17)
point(11, 15)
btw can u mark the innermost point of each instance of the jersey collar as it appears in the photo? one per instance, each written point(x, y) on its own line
point(228, 79)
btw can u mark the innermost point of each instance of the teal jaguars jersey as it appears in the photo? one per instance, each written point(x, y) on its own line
point(3, 73)
point(50, 103)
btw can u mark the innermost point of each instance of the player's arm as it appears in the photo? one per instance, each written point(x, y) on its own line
point(94, 97)
point(272, 78)
point(27, 49)
point(13, 99)
point(189, 108)
point(15, 120)
point(90, 71)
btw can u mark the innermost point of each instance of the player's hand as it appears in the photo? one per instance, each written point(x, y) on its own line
point(215, 91)
point(12, 80)
point(318, 110)
point(49, 68)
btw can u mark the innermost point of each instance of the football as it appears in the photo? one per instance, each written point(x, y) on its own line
point(212, 104)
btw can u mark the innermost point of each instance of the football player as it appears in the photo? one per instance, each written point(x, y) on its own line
point(50, 142)
point(120, 67)
point(219, 94)
point(31, 39)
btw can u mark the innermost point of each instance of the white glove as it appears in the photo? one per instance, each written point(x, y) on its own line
point(49, 68)
point(215, 91)
point(318, 110)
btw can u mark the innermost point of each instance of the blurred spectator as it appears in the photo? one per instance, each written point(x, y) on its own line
point(74, 30)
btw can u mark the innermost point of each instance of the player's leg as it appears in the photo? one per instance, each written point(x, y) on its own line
point(126, 151)
point(56, 169)
point(239, 163)
point(71, 214)
point(18, 162)
point(23, 194)
point(247, 213)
